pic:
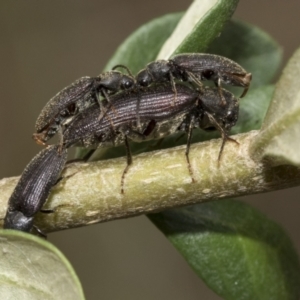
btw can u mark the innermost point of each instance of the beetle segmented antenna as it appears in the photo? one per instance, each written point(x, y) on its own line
point(123, 67)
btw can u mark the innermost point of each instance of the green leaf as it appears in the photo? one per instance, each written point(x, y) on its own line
point(202, 22)
point(252, 48)
point(278, 140)
point(200, 25)
point(143, 45)
point(253, 109)
point(32, 268)
point(235, 249)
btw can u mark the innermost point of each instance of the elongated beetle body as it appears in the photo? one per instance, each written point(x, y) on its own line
point(156, 115)
point(76, 98)
point(157, 118)
point(212, 67)
point(33, 188)
point(196, 67)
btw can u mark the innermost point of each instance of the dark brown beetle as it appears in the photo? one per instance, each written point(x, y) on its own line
point(33, 188)
point(76, 98)
point(158, 118)
point(196, 67)
point(158, 115)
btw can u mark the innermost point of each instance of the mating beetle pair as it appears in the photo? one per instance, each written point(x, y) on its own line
point(193, 68)
point(158, 117)
point(196, 67)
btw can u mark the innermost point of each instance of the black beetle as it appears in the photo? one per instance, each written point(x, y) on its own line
point(33, 188)
point(157, 118)
point(196, 67)
point(76, 98)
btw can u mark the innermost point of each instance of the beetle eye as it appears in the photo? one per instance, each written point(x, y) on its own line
point(128, 84)
point(230, 116)
point(144, 82)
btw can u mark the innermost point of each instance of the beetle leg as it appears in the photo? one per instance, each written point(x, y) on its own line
point(133, 135)
point(194, 79)
point(129, 162)
point(223, 133)
point(103, 109)
point(188, 144)
point(218, 84)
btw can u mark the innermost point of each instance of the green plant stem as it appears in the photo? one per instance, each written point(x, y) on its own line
point(156, 181)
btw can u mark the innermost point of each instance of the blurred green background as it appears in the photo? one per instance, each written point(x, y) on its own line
point(46, 46)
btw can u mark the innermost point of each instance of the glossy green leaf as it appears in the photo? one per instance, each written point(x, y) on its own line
point(200, 25)
point(279, 137)
point(32, 268)
point(235, 249)
point(253, 109)
point(202, 22)
point(252, 48)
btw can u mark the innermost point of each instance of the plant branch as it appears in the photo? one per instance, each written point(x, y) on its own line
point(156, 181)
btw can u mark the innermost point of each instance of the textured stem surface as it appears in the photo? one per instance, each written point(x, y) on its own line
point(156, 181)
